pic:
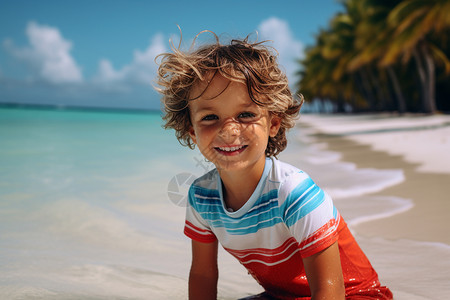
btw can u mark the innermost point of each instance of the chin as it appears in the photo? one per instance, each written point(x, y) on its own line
point(229, 166)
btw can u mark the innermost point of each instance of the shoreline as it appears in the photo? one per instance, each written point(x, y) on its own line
point(55, 107)
point(427, 220)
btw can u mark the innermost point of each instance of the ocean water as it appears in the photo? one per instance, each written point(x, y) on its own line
point(92, 207)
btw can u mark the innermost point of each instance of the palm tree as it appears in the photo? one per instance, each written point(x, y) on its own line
point(326, 63)
point(335, 50)
point(323, 74)
point(373, 37)
point(315, 76)
point(342, 44)
point(365, 55)
point(414, 21)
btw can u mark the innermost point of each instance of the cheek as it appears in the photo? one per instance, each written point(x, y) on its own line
point(204, 135)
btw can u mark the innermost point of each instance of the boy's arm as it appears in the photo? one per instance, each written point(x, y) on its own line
point(204, 271)
point(324, 273)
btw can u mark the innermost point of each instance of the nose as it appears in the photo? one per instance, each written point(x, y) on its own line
point(229, 130)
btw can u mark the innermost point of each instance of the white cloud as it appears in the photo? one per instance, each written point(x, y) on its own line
point(106, 72)
point(49, 59)
point(142, 70)
point(289, 48)
point(48, 55)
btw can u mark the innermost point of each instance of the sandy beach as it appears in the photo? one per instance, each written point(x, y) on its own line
point(427, 174)
point(427, 220)
point(417, 236)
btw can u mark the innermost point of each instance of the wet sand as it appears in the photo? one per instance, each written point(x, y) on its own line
point(429, 218)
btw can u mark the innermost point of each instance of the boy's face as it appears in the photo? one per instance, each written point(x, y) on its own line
point(229, 129)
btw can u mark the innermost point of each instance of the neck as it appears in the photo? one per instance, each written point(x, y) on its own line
point(238, 186)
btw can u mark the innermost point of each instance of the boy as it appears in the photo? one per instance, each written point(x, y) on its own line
point(234, 103)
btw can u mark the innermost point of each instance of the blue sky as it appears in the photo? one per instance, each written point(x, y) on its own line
point(101, 53)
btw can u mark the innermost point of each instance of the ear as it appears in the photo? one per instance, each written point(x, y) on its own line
point(275, 124)
point(192, 135)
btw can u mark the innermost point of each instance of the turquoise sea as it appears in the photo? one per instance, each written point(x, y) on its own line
point(92, 207)
point(84, 209)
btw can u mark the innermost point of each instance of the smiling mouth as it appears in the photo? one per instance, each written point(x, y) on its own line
point(231, 150)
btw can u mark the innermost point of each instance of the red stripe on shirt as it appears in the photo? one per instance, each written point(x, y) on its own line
point(266, 256)
point(198, 234)
point(321, 239)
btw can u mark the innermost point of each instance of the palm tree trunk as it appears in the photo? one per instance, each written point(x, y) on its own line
point(401, 104)
point(340, 104)
point(425, 70)
point(380, 102)
point(367, 89)
point(386, 91)
point(422, 76)
point(430, 103)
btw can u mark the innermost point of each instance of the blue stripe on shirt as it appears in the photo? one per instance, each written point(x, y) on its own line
point(265, 212)
point(303, 199)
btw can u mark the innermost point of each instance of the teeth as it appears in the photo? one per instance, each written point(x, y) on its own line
point(230, 149)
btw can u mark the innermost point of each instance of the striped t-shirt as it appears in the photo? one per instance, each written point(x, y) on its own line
point(288, 217)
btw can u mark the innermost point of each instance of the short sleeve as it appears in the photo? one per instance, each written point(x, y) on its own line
point(196, 227)
point(309, 214)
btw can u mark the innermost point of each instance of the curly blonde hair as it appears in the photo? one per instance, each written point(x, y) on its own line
point(242, 61)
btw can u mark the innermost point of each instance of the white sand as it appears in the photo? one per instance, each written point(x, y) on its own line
point(424, 140)
point(409, 248)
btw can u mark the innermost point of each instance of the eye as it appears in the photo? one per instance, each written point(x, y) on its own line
point(246, 115)
point(210, 118)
